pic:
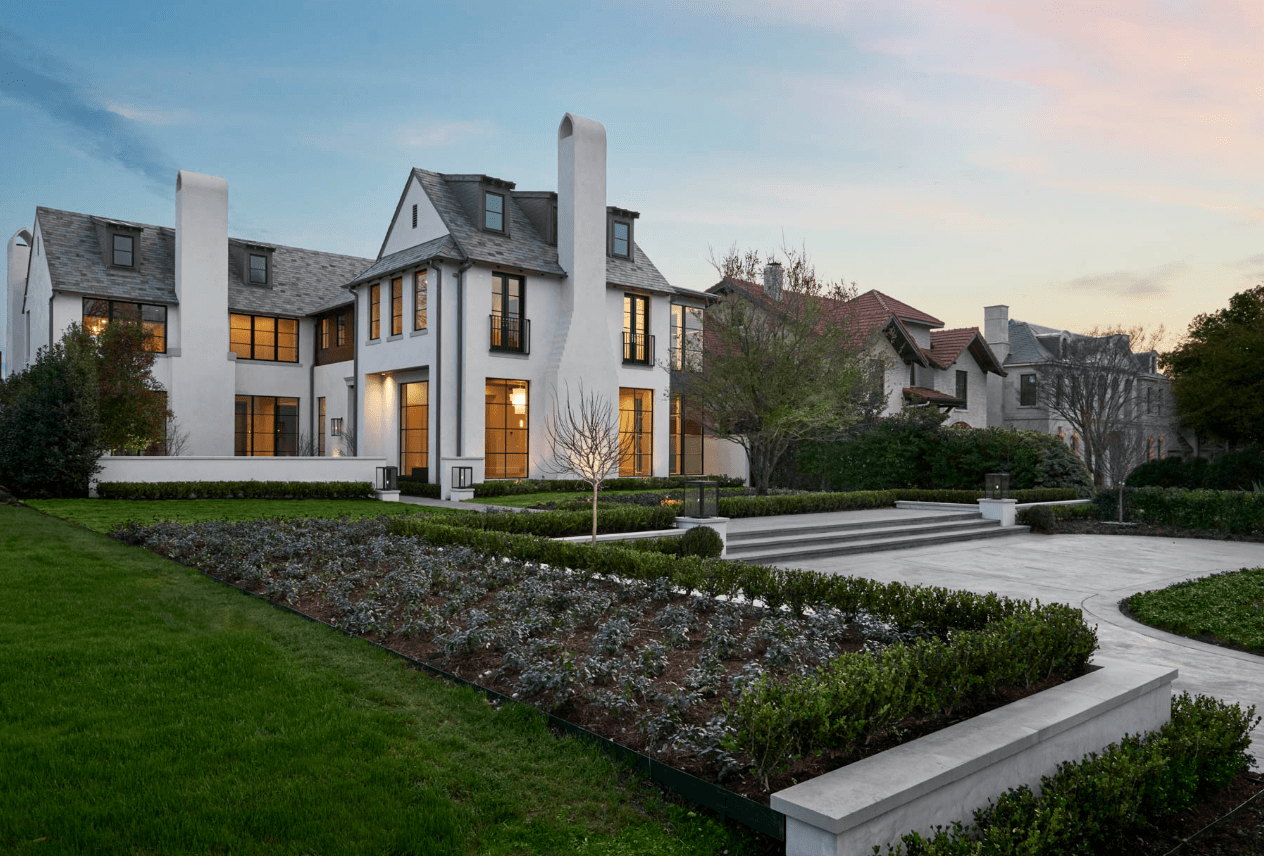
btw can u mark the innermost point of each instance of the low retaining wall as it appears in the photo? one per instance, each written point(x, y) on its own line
point(195, 468)
point(945, 776)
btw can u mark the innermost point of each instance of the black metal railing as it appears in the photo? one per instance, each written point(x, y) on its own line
point(638, 348)
point(510, 333)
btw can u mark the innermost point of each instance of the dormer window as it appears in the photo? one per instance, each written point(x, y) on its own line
point(124, 251)
point(258, 269)
point(493, 211)
point(619, 240)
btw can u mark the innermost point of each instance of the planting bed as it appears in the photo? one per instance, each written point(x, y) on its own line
point(640, 662)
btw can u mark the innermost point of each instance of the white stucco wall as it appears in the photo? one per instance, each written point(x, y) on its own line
point(204, 468)
point(975, 414)
point(12, 333)
point(401, 234)
point(39, 291)
point(724, 458)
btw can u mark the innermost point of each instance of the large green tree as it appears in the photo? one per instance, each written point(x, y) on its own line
point(132, 405)
point(1218, 371)
point(776, 368)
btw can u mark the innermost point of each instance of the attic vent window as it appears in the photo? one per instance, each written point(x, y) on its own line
point(258, 269)
point(493, 212)
point(621, 239)
point(414, 216)
point(124, 247)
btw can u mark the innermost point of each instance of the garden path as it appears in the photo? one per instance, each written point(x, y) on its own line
point(1093, 572)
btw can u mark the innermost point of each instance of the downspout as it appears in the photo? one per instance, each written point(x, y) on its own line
point(355, 374)
point(438, 372)
point(311, 389)
point(460, 358)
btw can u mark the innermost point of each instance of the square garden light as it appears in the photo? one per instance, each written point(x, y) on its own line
point(387, 478)
point(702, 499)
point(996, 485)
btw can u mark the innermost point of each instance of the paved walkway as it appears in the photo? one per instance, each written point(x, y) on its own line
point(1093, 572)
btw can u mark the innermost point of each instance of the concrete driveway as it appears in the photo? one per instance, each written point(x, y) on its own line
point(1093, 572)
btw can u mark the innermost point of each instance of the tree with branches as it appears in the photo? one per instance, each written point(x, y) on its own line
point(584, 438)
point(778, 365)
point(1095, 383)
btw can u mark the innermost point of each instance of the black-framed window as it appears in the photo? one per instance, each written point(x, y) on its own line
point(636, 432)
point(340, 330)
point(508, 328)
point(265, 426)
point(325, 324)
point(506, 436)
point(621, 238)
point(963, 389)
point(320, 426)
point(419, 299)
point(263, 337)
point(375, 311)
point(397, 306)
point(258, 268)
point(685, 441)
point(1027, 390)
point(493, 211)
point(123, 251)
point(636, 329)
point(414, 430)
point(97, 313)
point(686, 338)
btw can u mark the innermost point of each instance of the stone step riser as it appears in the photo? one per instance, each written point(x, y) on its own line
point(848, 527)
point(774, 538)
point(782, 556)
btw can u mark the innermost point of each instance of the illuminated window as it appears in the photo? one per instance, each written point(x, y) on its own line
point(98, 313)
point(636, 329)
point(414, 430)
point(375, 311)
point(419, 300)
point(685, 440)
point(505, 434)
point(636, 432)
point(265, 426)
point(263, 337)
point(508, 329)
point(324, 332)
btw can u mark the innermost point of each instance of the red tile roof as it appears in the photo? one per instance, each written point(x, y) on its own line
point(934, 396)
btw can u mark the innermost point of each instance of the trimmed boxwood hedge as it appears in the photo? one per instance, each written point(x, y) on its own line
point(762, 506)
point(1227, 511)
point(1089, 806)
point(512, 488)
point(562, 524)
point(235, 490)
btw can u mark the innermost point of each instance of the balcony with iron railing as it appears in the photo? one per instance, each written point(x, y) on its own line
point(638, 349)
point(510, 334)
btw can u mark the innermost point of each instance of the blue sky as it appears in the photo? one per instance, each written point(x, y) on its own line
point(1085, 166)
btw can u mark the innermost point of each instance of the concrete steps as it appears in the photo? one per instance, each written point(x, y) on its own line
point(781, 543)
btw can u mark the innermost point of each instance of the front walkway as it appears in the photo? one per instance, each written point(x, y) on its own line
point(1093, 572)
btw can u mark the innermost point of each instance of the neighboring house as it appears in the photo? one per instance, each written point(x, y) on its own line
point(1027, 350)
point(914, 363)
point(485, 305)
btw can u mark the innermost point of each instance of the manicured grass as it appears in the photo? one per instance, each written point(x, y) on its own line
point(147, 709)
point(104, 514)
point(527, 500)
point(1228, 606)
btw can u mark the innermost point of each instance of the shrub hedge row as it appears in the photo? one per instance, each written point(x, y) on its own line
point(235, 490)
point(1239, 470)
point(562, 524)
point(1090, 806)
point(1227, 511)
point(993, 636)
point(760, 506)
point(512, 488)
point(408, 487)
point(1044, 518)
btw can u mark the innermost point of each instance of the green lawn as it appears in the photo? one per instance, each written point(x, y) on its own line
point(104, 514)
point(147, 709)
point(1228, 606)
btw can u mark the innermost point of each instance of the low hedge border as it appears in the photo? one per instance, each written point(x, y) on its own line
point(984, 641)
point(1044, 518)
point(501, 487)
point(761, 506)
point(1228, 511)
point(1089, 806)
point(235, 490)
point(408, 487)
point(564, 524)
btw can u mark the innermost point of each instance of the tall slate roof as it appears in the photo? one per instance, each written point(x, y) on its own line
point(1024, 347)
point(304, 281)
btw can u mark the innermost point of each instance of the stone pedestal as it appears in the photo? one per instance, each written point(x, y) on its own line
point(386, 495)
point(999, 509)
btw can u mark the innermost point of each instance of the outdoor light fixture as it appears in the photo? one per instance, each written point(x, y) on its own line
point(335, 427)
point(463, 477)
point(387, 478)
point(996, 485)
point(702, 499)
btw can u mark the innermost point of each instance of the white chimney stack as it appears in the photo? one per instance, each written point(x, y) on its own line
point(774, 276)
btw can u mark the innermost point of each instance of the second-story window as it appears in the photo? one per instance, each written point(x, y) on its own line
point(1027, 390)
point(375, 311)
point(493, 212)
point(258, 269)
point(621, 239)
point(397, 306)
point(98, 313)
point(340, 330)
point(508, 327)
point(686, 338)
point(324, 332)
point(636, 328)
point(963, 392)
point(263, 337)
point(124, 251)
point(419, 300)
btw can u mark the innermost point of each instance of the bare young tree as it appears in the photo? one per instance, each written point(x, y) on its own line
point(175, 440)
point(584, 437)
point(348, 441)
point(1125, 448)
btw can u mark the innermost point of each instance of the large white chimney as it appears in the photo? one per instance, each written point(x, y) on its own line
point(773, 278)
point(12, 322)
point(586, 347)
point(203, 379)
point(996, 333)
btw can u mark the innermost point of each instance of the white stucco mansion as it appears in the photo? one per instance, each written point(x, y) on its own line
point(484, 304)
